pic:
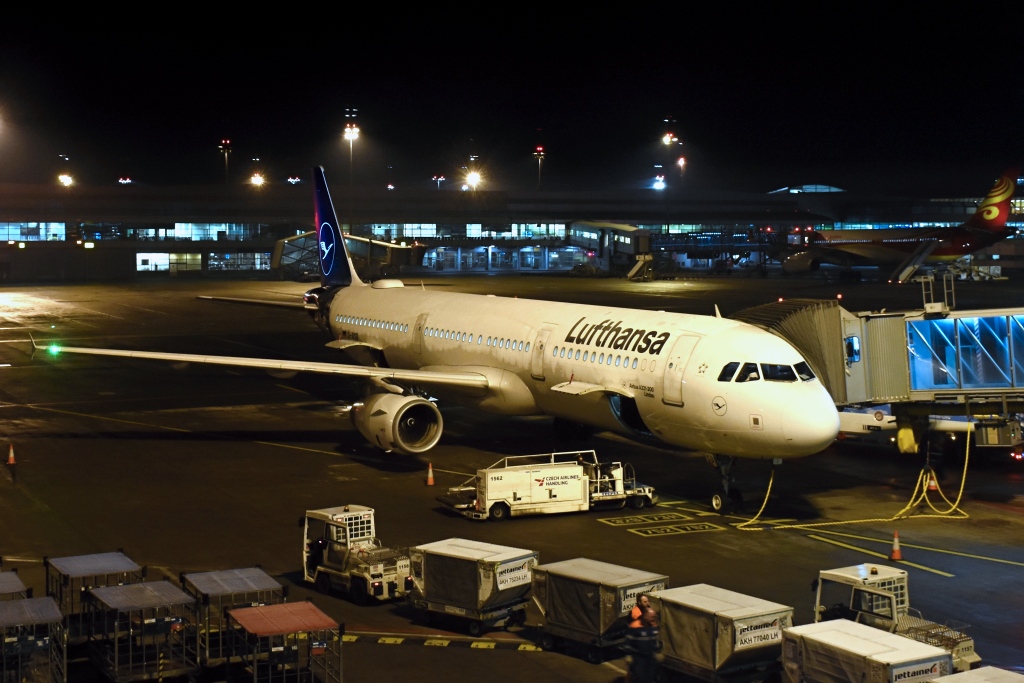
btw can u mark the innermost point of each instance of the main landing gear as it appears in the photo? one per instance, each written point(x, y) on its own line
point(726, 499)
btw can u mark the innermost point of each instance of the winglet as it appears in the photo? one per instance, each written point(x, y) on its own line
point(336, 268)
point(718, 314)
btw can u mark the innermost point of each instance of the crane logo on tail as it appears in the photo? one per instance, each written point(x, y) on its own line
point(327, 250)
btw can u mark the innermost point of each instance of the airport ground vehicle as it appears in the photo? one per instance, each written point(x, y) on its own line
point(843, 651)
point(341, 551)
point(879, 596)
point(546, 483)
point(586, 603)
point(482, 584)
point(720, 636)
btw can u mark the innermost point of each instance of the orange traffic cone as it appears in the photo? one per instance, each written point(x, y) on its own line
point(430, 474)
point(895, 555)
point(10, 456)
point(932, 484)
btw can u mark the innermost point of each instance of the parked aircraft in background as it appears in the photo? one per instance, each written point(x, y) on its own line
point(904, 249)
point(702, 383)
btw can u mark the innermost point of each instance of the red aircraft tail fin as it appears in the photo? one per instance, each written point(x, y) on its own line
point(995, 209)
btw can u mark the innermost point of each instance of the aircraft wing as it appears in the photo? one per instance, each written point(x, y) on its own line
point(261, 302)
point(471, 380)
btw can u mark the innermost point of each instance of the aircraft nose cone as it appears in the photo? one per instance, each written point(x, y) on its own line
point(812, 428)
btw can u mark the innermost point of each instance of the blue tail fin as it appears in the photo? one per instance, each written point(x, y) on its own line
point(335, 264)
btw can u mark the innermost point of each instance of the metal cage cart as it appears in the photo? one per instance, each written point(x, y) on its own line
point(69, 578)
point(26, 630)
point(215, 593)
point(291, 642)
point(11, 586)
point(137, 631)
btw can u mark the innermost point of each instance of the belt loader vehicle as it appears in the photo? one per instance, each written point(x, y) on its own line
point(843, 651)
point(586, 603)
point(483, 585)
point(341, 551)
point(878, 595)
point(548, 483)
point(718, 635)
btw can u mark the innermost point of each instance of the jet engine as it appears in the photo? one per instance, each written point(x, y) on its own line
point(396, 422)
point(804, 262)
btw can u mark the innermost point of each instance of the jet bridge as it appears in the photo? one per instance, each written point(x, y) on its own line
point(923, 362)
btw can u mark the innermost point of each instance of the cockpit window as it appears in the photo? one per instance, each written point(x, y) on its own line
point(748, 373)
point(728, 371)
point(778, 373)
point(803, 370)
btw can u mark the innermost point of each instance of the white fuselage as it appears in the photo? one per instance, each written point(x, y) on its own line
point(590, 363)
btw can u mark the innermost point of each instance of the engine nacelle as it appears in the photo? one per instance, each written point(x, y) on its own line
point(393, 422)
point(804, 262)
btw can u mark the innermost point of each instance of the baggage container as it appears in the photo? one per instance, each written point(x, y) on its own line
point(482, 584)
point(843, 651)
point(587, 602)
point(719, 635)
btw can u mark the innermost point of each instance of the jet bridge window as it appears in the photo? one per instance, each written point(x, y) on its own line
point(748, 373)
point(728, 371)
point(778, 373)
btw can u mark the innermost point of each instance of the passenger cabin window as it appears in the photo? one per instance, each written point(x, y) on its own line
point(728, 371)
point(748, 373)
point(778, 373)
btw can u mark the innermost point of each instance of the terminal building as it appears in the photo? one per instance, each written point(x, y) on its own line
point(128, 232)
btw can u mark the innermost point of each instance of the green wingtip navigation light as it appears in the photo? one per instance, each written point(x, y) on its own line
point(53, 349)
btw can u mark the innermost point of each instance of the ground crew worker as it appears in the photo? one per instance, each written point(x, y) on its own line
point(642, 636)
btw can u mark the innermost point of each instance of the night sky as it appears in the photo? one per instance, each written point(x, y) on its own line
point(925, 102)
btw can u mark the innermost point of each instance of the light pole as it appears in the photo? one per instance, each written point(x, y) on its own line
point(351, 134)
point(225, 148)
point(439, 179)
point(539, 156)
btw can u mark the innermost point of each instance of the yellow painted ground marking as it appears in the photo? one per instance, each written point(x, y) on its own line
point(436, 642)
point(926, 547)
point(644, 519)
point(349, 639)
point(529, 648)
point(390, 641)
point(880, 555)
point(483, 645)
point(696, 527)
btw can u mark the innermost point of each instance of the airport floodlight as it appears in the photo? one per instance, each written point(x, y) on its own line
point(439, 179)
point(257, 180)
point(669, 138)
point(681, 163)
point(473, 179)
point(351, 134)
point(659, 182)
point(65, 180)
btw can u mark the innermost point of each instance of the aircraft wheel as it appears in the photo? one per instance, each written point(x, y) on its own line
point(499, 512)
point(548, 642)
point(475, 628)
point(719, 503)
point(594, 654)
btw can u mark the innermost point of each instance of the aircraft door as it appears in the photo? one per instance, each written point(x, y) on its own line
point(540, 346)
point(672, 391)
point(417, 333)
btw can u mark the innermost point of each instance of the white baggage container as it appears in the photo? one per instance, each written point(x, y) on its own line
point(843, 651)
point(716, 634)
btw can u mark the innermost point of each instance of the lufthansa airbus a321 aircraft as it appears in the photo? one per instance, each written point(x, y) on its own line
point(697, 382)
